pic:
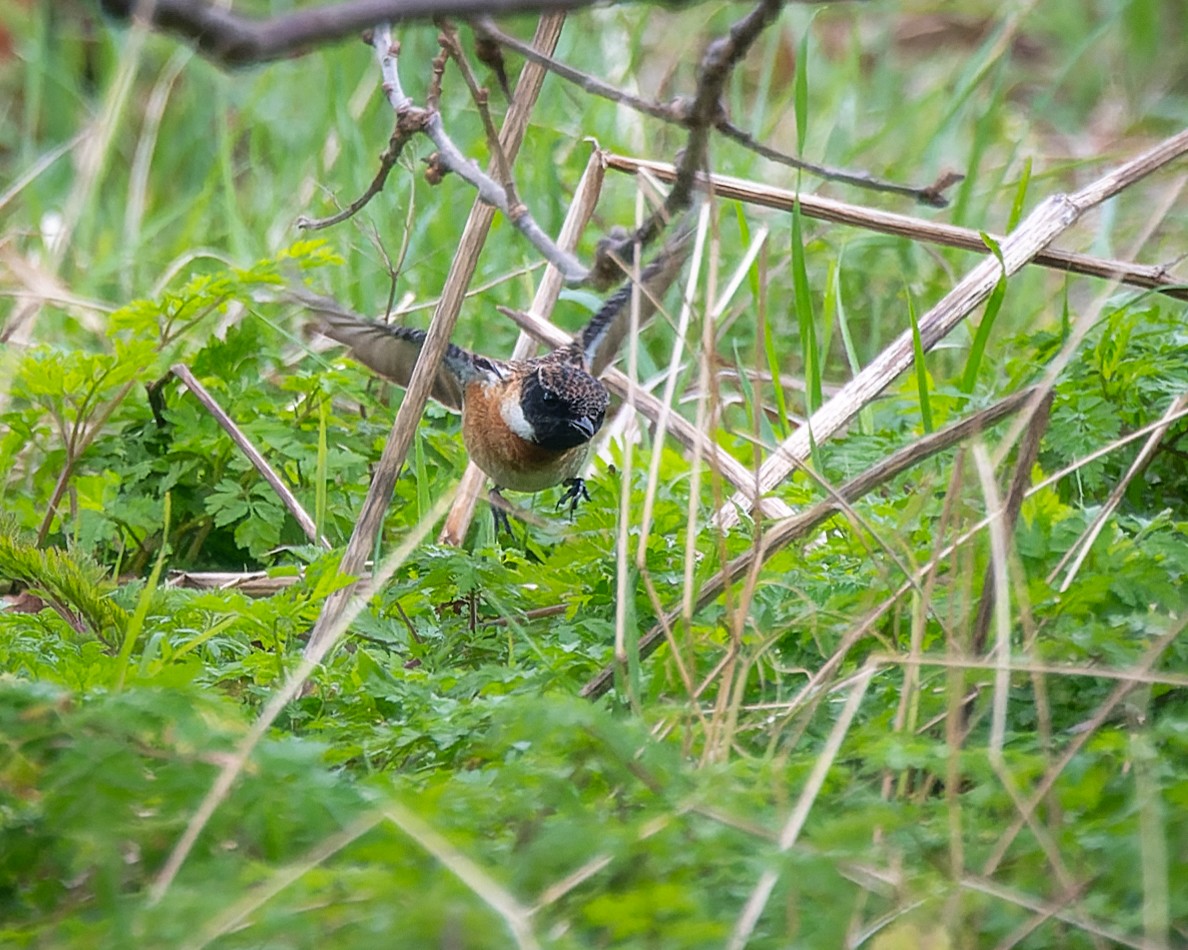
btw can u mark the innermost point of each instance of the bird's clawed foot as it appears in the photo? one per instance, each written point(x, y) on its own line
point(501, 508)
point(575, 491)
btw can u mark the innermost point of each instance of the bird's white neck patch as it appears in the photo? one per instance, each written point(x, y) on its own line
point(513, 415)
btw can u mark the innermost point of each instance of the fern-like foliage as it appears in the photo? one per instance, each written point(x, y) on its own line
point(70, 583)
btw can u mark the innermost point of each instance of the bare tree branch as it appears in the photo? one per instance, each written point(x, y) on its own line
point(453, 47)
point(388, 159)
point(615, 253)
point(932, 195)
point(411, 119)
point(235, 40)
point(701, 114)
point(485, 27)
point(232, 39)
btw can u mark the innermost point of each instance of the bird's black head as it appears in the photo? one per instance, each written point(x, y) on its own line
point(563, 405)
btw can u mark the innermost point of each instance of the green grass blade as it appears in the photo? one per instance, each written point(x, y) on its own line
point(421, 470)
point(136, 622)
point(1020, 196)
point(772, 355)
point(320, 465)
point(982, 336)
point(921, 369)
point(804, 316)
point(801, 96)
point(833, 292)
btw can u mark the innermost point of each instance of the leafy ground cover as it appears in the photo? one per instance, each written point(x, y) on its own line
point(828, 755)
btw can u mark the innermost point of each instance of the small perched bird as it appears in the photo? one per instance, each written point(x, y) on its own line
point(526, 423)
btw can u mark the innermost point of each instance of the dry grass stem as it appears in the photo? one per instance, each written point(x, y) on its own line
point(516, 916)
point(808, 795)
point(1145, 276)
point(1082, 735)
point(799, 525)
point(1024, 666)
point(689, 434)
point(678, 350)
point(251, 583)
point(1020, 482)
point(624, 568)
point(1080, 550)
point(259, 463)
point(35, 171)
point(235, 915)
point(997, 529)
point(1056, 909)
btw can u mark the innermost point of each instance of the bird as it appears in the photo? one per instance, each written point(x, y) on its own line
point(528, 424)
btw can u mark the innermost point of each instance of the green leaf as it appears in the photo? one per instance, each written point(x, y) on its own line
point(977, 350)
point(804, 316)
point(923, 389)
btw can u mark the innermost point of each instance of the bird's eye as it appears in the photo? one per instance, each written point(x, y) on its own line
point(548, 395)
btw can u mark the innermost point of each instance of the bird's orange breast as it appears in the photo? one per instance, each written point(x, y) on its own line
point(512, 462)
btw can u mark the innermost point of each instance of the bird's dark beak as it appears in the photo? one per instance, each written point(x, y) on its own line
point(584, 425)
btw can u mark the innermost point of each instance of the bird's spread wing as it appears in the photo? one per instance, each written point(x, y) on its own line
point(392, 351)
point(598, 344)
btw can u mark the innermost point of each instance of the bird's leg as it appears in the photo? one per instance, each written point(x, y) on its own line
point(575, 491)
point(499, 509)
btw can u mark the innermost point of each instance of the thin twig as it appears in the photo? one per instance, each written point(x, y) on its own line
point(388, 159)
point(704, 110)
point(449, 42)
point(932, 195)
point(288, 499)
point(411, 120)
point(74, 451)
point(486, 27)
point(231, 39)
